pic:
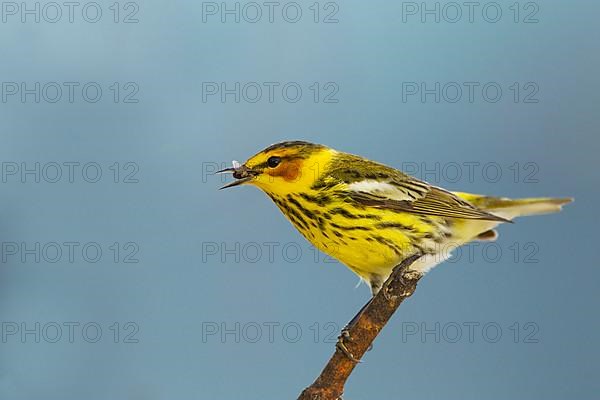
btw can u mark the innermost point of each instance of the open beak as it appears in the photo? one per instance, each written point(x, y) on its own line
point(241, 173)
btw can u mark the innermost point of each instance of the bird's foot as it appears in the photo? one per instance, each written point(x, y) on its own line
point(387, 292)
point(341, 344)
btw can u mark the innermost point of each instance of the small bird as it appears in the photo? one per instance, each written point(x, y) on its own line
point(370, 216)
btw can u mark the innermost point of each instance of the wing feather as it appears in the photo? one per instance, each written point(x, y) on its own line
point(376, 185)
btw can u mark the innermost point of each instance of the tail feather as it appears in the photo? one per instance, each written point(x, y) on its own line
point(468, 230)
point(512, 208)
point(509, 208)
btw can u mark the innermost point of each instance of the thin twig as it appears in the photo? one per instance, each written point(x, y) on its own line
point(362, 332)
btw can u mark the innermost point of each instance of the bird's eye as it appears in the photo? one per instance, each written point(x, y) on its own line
point(274, 161)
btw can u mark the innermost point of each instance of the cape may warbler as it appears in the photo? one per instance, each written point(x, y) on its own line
point(370, 216)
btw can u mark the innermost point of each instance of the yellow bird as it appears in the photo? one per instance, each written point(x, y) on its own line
point(370, 216)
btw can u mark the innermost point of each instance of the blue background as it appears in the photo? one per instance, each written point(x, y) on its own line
point(175, 215)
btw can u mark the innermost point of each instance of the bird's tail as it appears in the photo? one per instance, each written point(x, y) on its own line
point(467, 230)
point(512, 208)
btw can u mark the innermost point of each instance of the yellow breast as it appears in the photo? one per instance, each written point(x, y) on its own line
point(370, 241)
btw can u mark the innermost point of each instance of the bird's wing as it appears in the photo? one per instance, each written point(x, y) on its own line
point(376, 185)
point(436, 202)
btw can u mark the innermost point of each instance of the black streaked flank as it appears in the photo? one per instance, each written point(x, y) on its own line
point(305, 211)
point(349, 215)
point(343, 213)
point(396, 225)
point(320, 200)
point(380, 239)
point(294, 216)
point(351, 228)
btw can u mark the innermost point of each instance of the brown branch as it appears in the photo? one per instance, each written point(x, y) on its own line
point(362, 331)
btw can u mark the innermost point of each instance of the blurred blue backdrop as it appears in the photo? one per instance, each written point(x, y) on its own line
point(125, 274)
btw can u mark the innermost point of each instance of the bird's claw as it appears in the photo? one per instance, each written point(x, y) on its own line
point(402, 279)
point(345, 336)
point(387, 295)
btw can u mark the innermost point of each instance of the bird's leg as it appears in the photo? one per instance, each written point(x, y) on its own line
point(341, 344)
point(386, 290)
point(403, 273)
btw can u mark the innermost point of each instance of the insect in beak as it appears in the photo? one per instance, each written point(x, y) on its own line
point(240, 172)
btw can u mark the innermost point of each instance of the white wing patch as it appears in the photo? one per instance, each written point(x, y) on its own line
point(381, 189)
